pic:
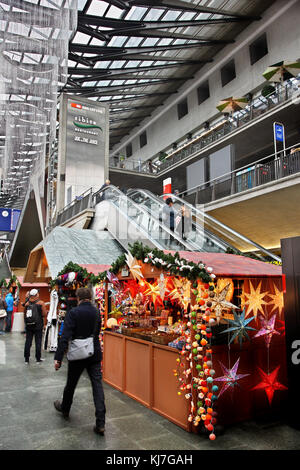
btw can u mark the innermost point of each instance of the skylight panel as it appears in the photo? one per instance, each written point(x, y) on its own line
point(114, 12)
point(81, 4)
point(132, 63)
point(117, 41)
point(136, 13)
point(97, 8)
point(165, 42)
point(81, 38)
point(102, 64)
point(150, 42)
point(154, 14)
point(117, 64)
point(134, 42)
point(97, 42)
point(171, 15)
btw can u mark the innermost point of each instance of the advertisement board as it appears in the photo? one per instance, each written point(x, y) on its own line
point(83, 147)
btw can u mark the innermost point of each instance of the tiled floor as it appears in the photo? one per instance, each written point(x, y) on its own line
point(28, 420)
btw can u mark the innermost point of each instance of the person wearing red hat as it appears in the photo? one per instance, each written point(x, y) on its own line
point(35, 318)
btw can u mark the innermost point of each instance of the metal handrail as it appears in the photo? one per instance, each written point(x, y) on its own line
point(141, 209)
point(225, 227)
point(233, 172)
point(222, 244)
point(282, 94)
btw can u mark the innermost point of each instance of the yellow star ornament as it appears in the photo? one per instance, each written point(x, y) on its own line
point(254, 300)
point(277, 300)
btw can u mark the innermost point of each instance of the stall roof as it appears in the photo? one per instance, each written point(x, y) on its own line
point(96, 268)
point(225, 264)
point(62, 245)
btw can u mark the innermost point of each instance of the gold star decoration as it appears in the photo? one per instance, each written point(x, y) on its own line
point(182, 292)
point(134, 267)
point(228, 283)
point(219, 302)
point(153, 292)
point(254, 300)
point(277, 300)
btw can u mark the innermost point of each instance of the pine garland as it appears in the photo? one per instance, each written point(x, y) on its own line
point(7, 285)
point(173, 264)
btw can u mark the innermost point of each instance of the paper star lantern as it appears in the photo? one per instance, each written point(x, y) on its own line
point(219, 302)
point(112, 278)
point(254, 300)
point(230, 377)
point(153, 291)
point(226, 283)
point(162, 285)
point(269, 383)
point(183, 288)
point(133, 265)
point(239, 327)
point(277, 300)
point(267, 329)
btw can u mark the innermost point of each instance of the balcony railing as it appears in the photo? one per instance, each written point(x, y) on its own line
point(266, 170)
point(220, 129)
point(78, 205)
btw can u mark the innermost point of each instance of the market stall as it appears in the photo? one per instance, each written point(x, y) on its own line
point(199, 345)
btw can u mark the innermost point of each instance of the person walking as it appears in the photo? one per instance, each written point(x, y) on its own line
point(35, 318)
point(82, 322)
point(168, 216)
point(184, 225)
point(9, 299)
point(102, 189)
point(3, 314)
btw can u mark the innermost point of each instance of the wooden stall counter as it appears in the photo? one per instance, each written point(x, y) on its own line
point(144, 371)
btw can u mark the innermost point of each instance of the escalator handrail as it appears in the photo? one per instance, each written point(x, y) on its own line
point(141, 209)
point(217, 222)
point(221, 243)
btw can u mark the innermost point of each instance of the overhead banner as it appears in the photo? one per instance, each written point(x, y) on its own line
point(83, 147)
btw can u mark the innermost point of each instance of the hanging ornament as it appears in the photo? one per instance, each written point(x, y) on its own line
point(153, 291)
point(112, 278)
point(230, 377)
point(269, 383)
point(162, 286)
point(239, 327)
point(254, 300)
point(267, 329)
point(133, 265)
point(228, 284)
point(219, 302)
point(278, 302)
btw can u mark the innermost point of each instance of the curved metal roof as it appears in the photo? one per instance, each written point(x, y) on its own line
point(133, 54)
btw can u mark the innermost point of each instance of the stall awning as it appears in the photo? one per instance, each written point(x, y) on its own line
point(224, 264)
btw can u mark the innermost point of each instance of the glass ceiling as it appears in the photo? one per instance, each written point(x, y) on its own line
point(131, 54)
point(134, 54)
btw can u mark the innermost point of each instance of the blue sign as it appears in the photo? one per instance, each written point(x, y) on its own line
point(279, 132)
point(9, 219)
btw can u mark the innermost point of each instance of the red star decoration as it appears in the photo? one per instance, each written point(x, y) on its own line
point(269, 383)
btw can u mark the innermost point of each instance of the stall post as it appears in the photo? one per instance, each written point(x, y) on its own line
point(106, 303)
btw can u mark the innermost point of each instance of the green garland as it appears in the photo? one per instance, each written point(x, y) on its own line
point(174, 264)
point(7, 285)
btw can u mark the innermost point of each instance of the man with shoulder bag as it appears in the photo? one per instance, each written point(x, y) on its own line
point(80, 339)
point(35, 315)
point(3, 314)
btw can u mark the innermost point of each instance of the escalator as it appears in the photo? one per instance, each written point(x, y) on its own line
point(128, 221)
point(202, 232)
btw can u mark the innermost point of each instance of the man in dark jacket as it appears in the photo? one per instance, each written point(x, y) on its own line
point(82, 322)
point(35, 330)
